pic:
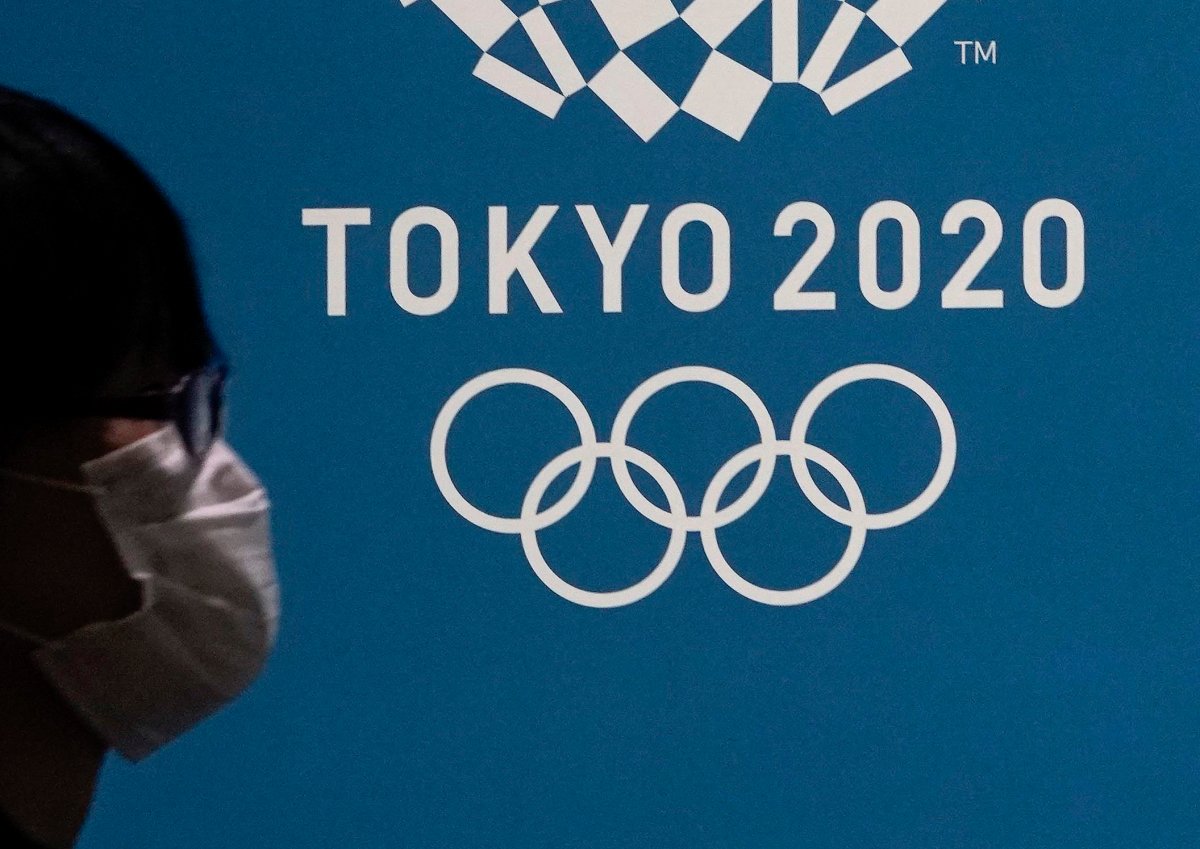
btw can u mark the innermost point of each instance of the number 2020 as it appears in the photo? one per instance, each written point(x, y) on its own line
point(959, 292)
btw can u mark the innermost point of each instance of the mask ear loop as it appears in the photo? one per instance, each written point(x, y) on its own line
point(38, 480)
point(24, 636)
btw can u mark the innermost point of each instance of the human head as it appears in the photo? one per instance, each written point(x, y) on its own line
point(100, 295)
point(137, 588)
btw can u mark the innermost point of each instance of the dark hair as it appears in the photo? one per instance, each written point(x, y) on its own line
point(95, 268)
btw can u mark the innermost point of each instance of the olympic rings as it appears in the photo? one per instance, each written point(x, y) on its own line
point(712, 517)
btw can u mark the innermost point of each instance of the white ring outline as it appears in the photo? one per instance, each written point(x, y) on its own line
point(673, 377)
point(467, 393)
point(588, 598)
point(822, 586)
point(946, 460)
point(711, 517)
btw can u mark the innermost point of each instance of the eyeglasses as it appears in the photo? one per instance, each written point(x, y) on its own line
point(195, 405)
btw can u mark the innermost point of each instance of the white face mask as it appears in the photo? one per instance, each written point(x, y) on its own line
point(195, 534)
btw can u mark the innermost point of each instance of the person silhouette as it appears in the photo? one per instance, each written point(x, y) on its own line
point(137, 584)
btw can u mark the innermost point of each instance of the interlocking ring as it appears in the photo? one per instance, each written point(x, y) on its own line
point(643, 588)
point(674, 377)
point(468, 393)
point(941, 414)
point(712, 517)
point(857, 524)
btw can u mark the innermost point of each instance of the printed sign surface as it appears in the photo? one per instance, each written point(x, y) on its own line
point(727, 423)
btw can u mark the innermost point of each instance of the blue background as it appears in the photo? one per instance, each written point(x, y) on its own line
point(1017, 668)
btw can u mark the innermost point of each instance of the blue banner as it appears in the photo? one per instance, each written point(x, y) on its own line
point(729, 423)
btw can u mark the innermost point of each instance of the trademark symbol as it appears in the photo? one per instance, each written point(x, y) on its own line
point(977, 52)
